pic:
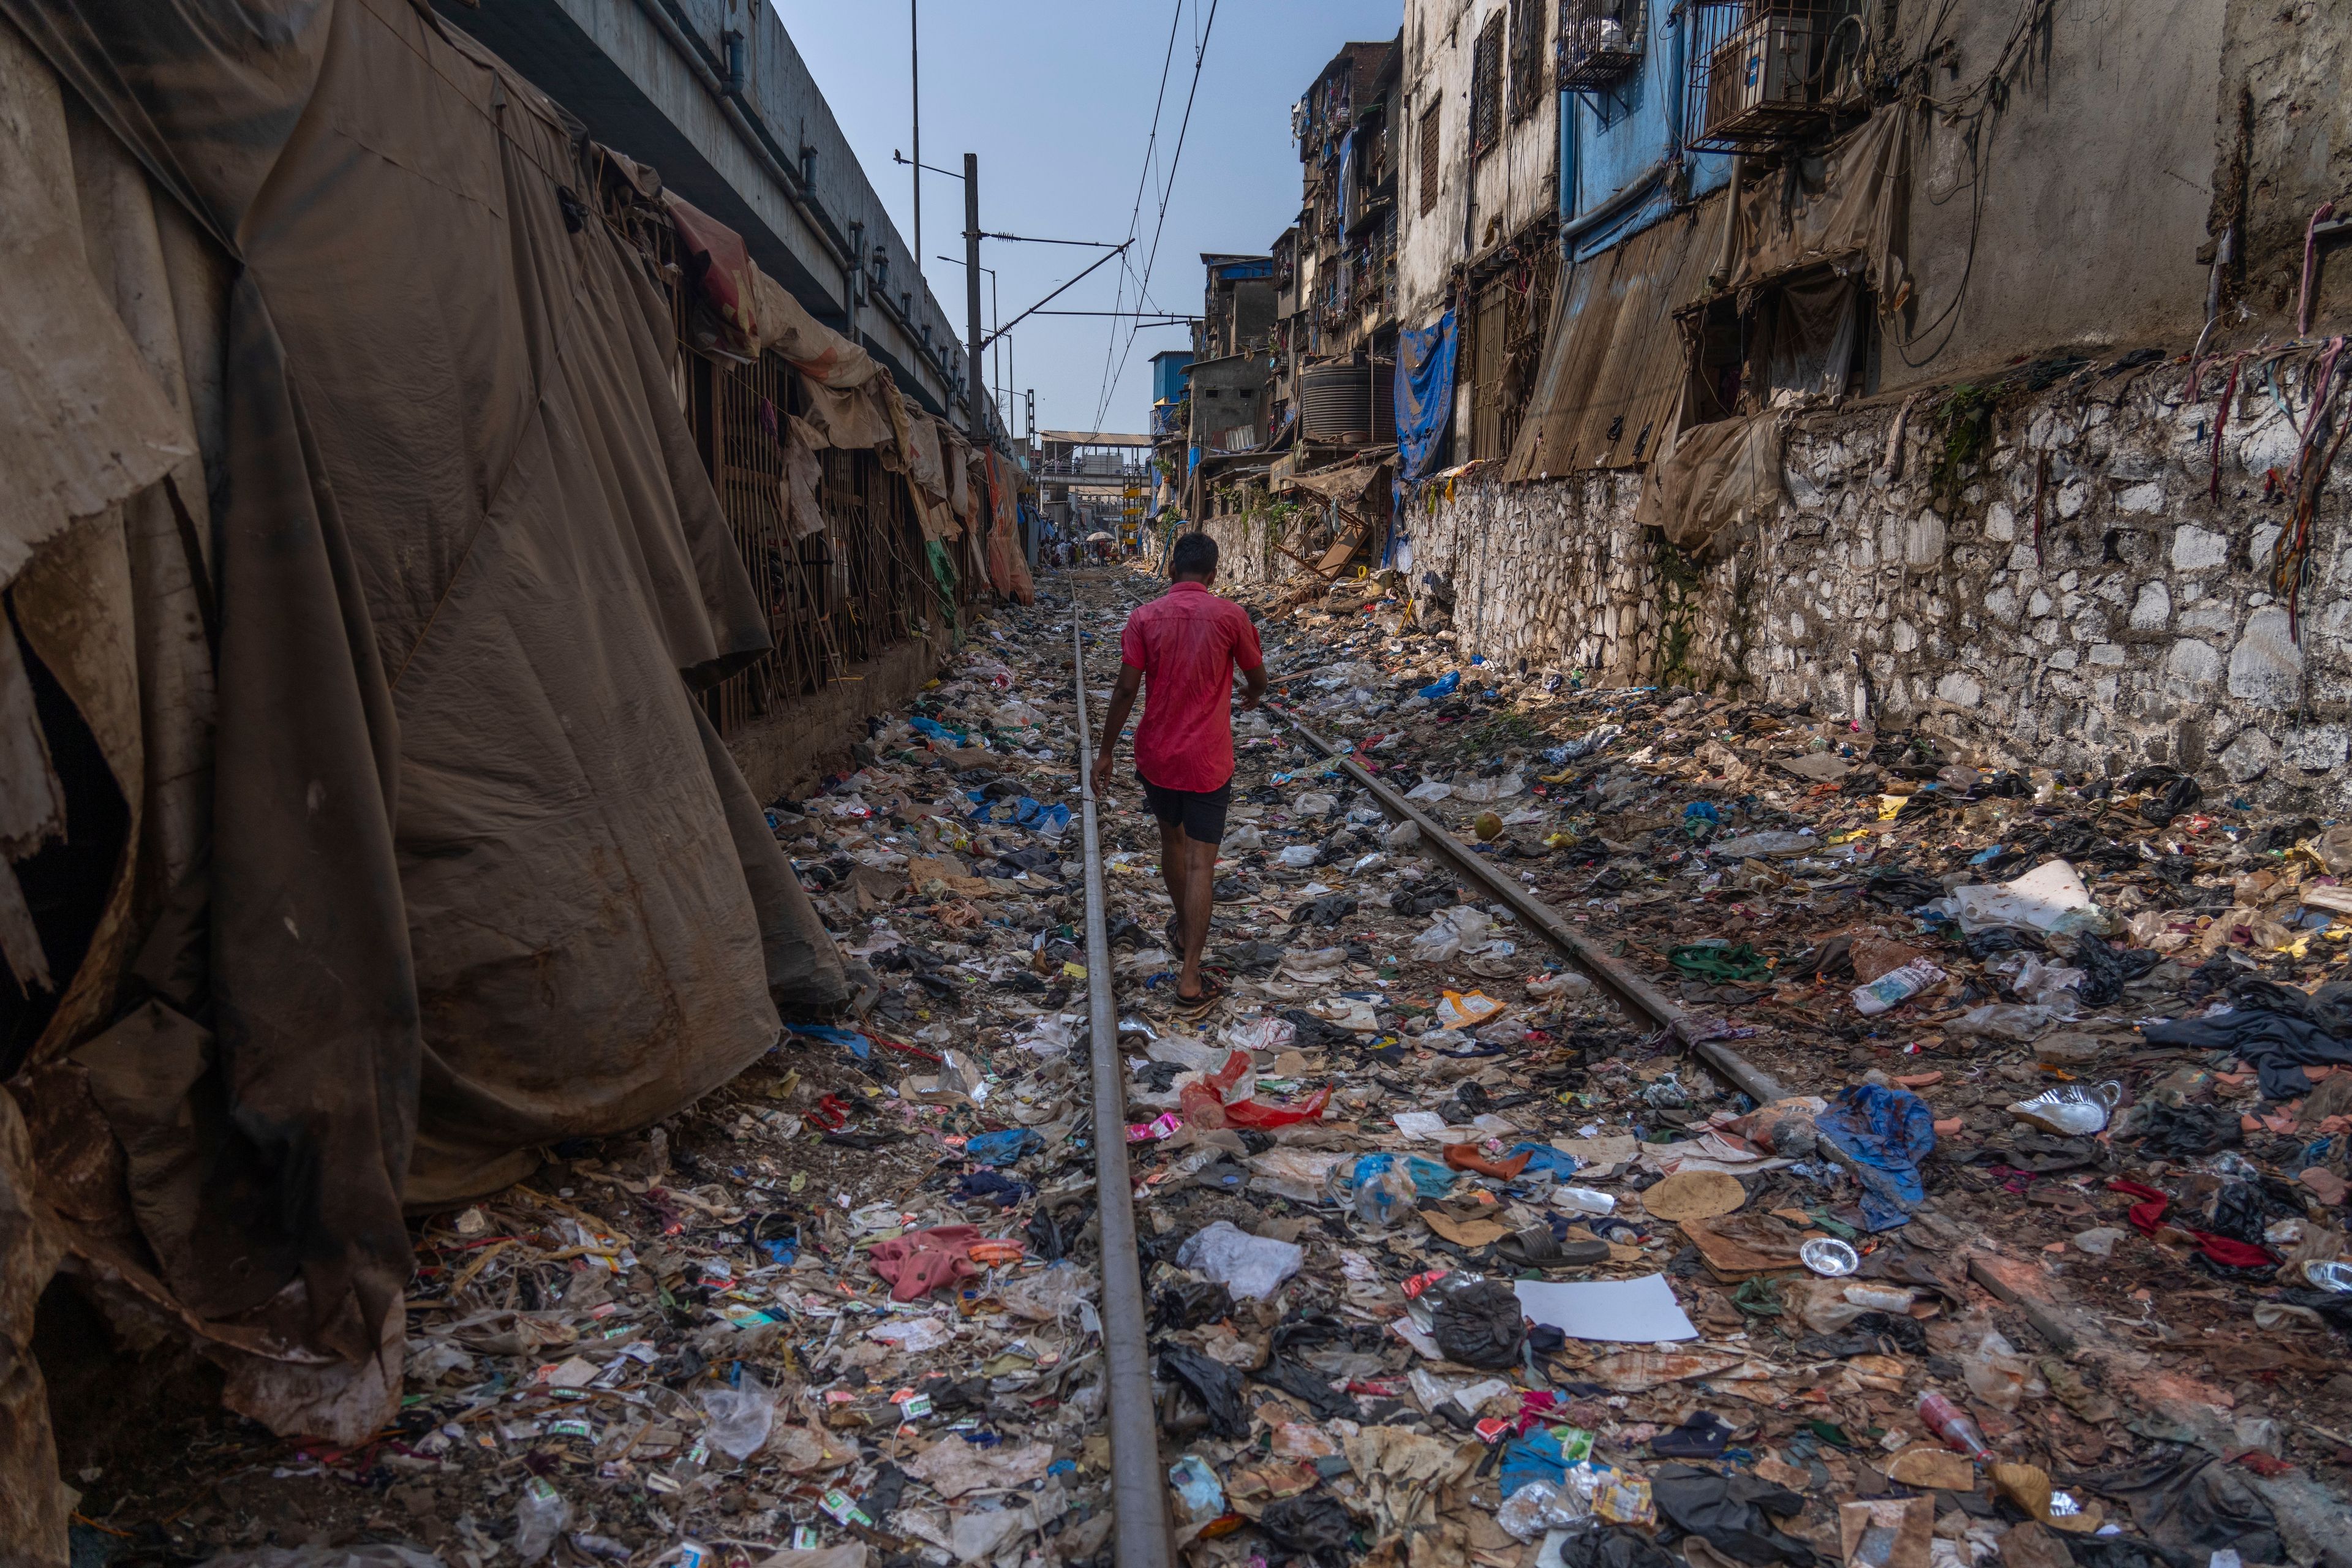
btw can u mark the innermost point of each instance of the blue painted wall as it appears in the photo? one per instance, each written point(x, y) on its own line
point(1168, 374)
point(1615, 138)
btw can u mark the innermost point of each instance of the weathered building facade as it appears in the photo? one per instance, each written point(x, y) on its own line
point(2001, 399)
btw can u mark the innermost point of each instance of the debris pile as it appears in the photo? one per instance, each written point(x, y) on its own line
point(2019, 1239)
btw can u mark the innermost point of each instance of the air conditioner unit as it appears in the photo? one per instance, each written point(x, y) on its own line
point(1762, 76)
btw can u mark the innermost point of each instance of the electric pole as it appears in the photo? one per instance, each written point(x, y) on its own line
point(976, 372)
point(915, 65)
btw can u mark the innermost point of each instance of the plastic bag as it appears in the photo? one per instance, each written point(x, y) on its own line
point(2069, 1110)
point(1246, 836)
point(1053, 1295)
point(540, 1514)
point(2002, 1021)
point(1541, 1506)
point(1565, 984)
point(1479, 1323)
point(1314, 804)
point(1995, 1372)
point(1378, 1191)
point(1251, 1266)
point(739, 1419)
point(1453, 932)
point(1299, 855)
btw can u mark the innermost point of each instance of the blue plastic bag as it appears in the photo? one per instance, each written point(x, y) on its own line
point(1544, 1157)
point(1884, 1133)
point(1535, 1457)
point(936, 731)
point(1002, 1148)
point(826, 1033)
point(1442, 687)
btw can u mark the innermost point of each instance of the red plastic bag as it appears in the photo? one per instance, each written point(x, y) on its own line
point(1204, 1105)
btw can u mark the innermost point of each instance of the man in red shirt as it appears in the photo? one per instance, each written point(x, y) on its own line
point(1186, 644)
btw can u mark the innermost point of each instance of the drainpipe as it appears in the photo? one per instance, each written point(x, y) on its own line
point(1570, 183)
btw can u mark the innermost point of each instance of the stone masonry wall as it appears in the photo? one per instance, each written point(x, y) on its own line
point(2144, 628)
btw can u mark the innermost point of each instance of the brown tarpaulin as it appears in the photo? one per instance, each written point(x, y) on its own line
point(1712, 478)
point(1855, 217)
point(481, 876)
point(1614, 364)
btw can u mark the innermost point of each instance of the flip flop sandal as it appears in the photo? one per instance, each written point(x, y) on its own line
point(1212, 992)
point(1537, 1248)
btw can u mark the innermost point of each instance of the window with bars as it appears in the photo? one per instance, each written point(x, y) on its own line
point(1600, 42)
point(1527, 35)
point(1486, 87)
point(1429, 159)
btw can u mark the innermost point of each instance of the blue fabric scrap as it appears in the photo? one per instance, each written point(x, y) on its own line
point(1884, 1133)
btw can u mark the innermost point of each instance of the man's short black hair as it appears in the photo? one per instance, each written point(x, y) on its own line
point(1195, 555)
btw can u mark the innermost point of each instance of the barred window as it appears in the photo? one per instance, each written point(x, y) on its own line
point(1429, 159)
point(1527, 36)
point(1486, 87)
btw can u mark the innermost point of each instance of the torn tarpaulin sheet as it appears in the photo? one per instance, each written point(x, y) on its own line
point(1883, 1133)
point(1425, 396)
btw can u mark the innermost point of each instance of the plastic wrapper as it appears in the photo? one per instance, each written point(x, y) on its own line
point(1251, 1266)
point(739, 1419)
point(1053, 1295)
point(1375, 1186)
point(540, 1514)
point(1541, 1506)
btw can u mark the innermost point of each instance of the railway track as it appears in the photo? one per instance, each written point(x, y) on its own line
point(1139, 1490)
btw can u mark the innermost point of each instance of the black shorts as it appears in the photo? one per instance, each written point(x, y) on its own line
point(1202, 811)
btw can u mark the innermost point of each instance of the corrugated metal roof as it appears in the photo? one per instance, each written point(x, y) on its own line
point(1615, 359)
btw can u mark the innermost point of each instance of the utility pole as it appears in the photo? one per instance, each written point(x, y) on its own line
point(915, 65)
point(976, 372)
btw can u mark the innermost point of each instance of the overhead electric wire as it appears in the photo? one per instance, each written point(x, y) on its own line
point(1175, 161)
point(1142, 181)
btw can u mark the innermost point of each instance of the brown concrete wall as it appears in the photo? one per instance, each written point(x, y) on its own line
point(784, 754)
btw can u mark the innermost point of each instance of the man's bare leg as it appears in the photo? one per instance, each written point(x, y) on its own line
point(1173, 867)
point(1196, 902)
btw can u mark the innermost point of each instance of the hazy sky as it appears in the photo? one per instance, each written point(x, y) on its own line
point(1056, 97)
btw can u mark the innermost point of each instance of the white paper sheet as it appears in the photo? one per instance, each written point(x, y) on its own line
point(1633, 1311)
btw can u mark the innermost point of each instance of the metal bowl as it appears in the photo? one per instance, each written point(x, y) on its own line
point(1830, 1257)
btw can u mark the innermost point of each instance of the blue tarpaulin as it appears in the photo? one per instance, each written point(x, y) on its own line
point(1883, 1133)
point(1424, 396)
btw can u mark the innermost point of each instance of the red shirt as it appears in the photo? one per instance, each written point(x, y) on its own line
point(1188, 642)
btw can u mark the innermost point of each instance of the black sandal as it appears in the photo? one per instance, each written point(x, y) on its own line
point(1211, 994)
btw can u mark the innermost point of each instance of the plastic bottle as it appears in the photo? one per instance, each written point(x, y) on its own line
point(1949, 1422)
point(1895, 987)
point(540, 1514)
point(1583, 1200)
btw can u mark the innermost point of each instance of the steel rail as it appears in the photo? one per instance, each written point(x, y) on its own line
point(1630, 989)
point(1139, 1491)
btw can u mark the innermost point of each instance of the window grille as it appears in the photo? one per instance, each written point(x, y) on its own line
point(1758, 69)
point(1526, 57)
point(1429, 159)
point(1486, 87)
point(1600, 42)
